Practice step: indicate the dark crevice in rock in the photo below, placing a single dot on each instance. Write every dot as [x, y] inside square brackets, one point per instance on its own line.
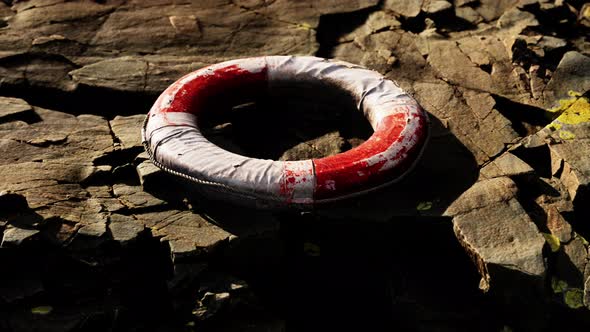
[486, 67]
[525, 56]
[332, 26]
[581, 213]
[119, 157]
[126, 174]
[132, 279]
[525, 119]
[557, 21]
[413, 24]
[84, 100]
[116, 139]
[528, 189]
[28, 117]
[447, 22]
[22, 59]
[538, 158]
[148, 209]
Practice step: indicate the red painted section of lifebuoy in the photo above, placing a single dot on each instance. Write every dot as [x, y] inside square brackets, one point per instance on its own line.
[350, 171]
[194, 95]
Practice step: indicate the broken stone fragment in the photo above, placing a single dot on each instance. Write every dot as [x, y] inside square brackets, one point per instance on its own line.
[570, 262]
[220, 292]
[151, 177]
[56, 135]
[186, 24]
[515, 21]
[493, 9]
[549, 43]
[189, 235]
[125, 229]
[134, 197]
[14, 236]
[558, 226]
[506, 165]
[436, 6]
[575, 173]
[554, 202]
[498, 234]
[125, 74]
[127, 129]
[471, 116]
[584, 15]
[404, 8]
[210, 304]
[327, 145]
[461, 3]
[572, 74]
[14, 109]
[96, 230]
[468, 14]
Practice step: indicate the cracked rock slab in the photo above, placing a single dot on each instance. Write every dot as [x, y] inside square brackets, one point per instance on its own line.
[134, 197]
[575, 173]
[470, 115]
[124, 74]
[11, 108]
[506, 165]
[571, 262]
[572, 74]
[144, 46]
[497, 233]
[189, 235]
[127, 129]
[57, 136]
[124, 229]
[327, 145]
[14, 236]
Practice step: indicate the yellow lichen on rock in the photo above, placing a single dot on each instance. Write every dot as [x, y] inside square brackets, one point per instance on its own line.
[553, 241]
[558, 286]
[574, 298]
[566, 135]
[573, 111]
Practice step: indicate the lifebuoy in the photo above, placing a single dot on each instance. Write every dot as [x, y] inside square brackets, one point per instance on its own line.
[174, 142]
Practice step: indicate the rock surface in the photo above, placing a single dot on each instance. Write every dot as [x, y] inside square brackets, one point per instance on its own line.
[499, 197]
[495, 230]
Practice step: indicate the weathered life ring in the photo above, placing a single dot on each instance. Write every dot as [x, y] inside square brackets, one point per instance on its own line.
[174, 142]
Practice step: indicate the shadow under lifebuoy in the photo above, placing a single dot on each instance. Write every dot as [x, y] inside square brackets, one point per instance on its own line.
[385, 260]
[268, 126]
[382, 261]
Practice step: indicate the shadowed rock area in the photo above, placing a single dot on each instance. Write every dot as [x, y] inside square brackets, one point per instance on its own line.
[487, 233]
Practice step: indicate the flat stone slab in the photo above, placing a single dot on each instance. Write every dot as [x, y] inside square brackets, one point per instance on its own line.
[496, 231]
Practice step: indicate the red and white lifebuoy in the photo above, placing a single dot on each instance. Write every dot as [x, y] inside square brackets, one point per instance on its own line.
[175, 143]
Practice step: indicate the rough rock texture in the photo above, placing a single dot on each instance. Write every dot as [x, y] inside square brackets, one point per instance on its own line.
[98, 238]
[506, 165]
[572, 74]
[96, 43]
[496, 231]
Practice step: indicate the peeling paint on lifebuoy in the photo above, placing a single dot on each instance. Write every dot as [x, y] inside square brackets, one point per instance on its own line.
[175, 143]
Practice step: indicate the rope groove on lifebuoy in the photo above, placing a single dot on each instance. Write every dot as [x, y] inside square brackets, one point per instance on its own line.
[174, 142]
